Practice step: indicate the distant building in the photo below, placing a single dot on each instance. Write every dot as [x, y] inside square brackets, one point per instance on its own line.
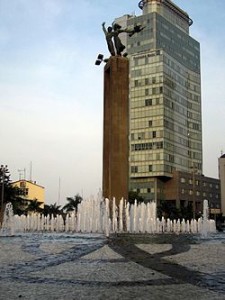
[31, 191]
[190, 189]
[222, 182]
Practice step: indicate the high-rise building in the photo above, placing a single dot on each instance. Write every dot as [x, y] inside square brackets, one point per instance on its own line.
[165, 97]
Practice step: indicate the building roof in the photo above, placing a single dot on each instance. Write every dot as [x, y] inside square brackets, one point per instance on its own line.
[28, 181]
[222, 156]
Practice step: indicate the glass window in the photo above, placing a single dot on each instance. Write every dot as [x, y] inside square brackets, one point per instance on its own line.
[148, 102]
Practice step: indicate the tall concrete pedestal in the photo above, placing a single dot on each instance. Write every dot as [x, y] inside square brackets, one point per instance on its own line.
[116, 124]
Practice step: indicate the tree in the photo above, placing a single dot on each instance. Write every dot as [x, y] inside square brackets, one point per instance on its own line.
[132, 196]
[34, 206]
[52, 209]
[10, 193]
[14, 195]
[73, 202]
[167, 209]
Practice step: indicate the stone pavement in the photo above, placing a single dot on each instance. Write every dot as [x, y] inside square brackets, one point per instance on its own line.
[60, 266]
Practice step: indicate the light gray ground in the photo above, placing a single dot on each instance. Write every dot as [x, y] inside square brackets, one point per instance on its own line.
[92, 267]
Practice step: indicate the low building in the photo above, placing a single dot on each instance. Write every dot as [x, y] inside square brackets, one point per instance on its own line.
[31, 191]
[191, 189]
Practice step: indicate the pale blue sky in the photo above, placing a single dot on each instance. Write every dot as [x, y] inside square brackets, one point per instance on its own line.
[51, 93]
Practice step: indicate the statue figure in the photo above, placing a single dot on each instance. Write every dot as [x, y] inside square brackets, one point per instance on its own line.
[108, 35]
[117, 47]
[117, 42]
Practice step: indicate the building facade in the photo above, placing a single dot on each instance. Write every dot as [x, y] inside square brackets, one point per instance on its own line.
[31, 191]
[165, 98]
[187, 189]
[222, 182]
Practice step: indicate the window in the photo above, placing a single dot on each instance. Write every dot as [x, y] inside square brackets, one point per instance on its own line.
[148, 102]
[134, 169]
[154, 134]
[150, 123]
[150, 168]
[22, 184]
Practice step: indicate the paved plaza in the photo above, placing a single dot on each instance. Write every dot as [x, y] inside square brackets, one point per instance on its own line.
[60, 266]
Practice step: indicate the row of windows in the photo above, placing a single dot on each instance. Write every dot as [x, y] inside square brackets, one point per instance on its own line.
[144, 157]
[146, 135]
[149, 168]
[199, 193]
[146, 146]
[148, 70]
[198, 182]
[141, 92]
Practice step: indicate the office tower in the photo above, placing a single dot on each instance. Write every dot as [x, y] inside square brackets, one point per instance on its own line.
[165, 97]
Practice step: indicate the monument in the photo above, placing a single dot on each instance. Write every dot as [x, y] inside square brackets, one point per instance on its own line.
[116, 128]
[116, 114]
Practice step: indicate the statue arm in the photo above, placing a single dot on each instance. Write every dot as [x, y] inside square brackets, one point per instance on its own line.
[103, 28]
[125, 30]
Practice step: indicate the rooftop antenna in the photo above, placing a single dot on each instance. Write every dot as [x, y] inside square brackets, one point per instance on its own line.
[59, 190]
[31, 171]
[22, 172]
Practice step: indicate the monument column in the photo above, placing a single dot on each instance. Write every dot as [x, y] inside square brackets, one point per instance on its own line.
[116, 128]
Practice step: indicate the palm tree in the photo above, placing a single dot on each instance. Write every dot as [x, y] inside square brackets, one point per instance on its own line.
[72, 203]
[34, 206]
[52, 209]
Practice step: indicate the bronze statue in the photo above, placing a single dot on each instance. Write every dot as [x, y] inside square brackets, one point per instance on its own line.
[114, 43]
[117, 42]
[108, 35]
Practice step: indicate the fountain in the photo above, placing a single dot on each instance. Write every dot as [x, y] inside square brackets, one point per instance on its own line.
[7, 228]
[101, 216]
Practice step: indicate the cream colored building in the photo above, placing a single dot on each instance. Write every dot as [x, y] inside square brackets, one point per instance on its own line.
[31, 191]
[222, 181]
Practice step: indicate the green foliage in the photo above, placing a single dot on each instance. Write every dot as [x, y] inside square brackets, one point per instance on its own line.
[52, 209]
[34, 206]
[73, 203]
[132, 196]
[167, 209]
[10, 193]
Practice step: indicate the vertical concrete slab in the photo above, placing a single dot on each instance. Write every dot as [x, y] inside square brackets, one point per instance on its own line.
[116, 128]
